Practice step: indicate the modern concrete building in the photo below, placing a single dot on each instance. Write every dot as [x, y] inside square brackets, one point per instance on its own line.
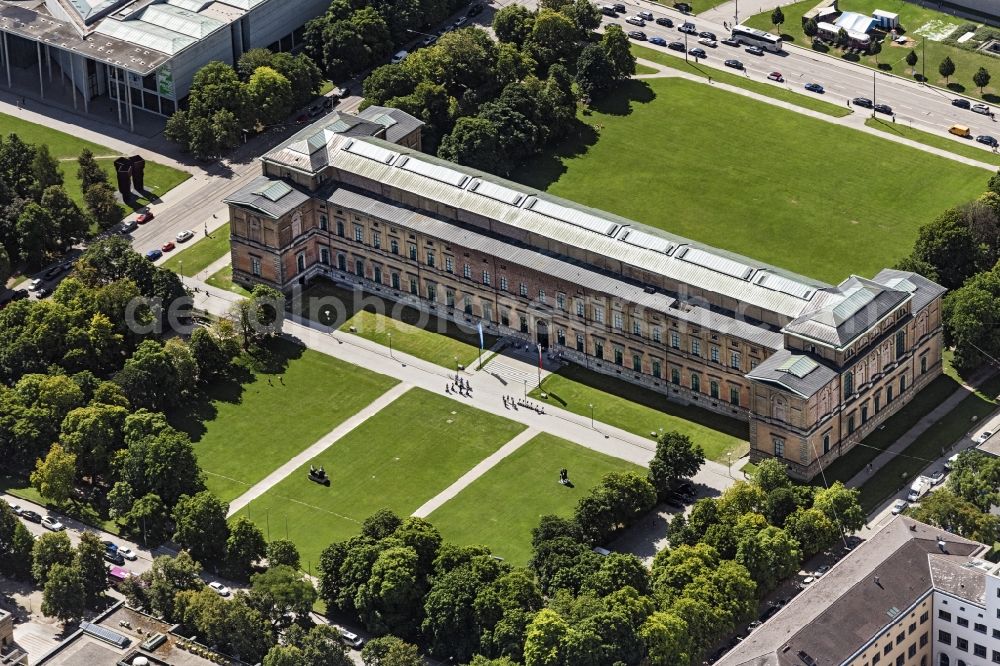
[912, 595]
[139, 54]
[814, 367]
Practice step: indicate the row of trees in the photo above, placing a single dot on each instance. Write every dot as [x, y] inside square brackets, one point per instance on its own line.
[963, 505]
[224, 102]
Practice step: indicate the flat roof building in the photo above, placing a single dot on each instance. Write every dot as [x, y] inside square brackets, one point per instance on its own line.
[140, 54]
[813, 367]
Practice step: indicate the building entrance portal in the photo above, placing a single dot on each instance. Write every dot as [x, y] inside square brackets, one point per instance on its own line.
[542, 333]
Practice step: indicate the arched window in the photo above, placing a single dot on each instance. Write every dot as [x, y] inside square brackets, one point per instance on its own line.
[945, 660]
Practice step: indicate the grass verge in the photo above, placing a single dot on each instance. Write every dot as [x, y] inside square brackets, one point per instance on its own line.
[201, 254]
[930, 139]
[223, 279]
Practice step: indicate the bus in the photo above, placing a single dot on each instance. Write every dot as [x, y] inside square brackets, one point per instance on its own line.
[755, 37]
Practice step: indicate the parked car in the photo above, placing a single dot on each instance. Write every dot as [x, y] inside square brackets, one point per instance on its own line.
[707, 35]
[635, 20]
[883, 108]
[619, 7]
[43, 292]
[35, 284]
[459, 22]
[168, 246]
[729, 41]
[144, 217]
[936, 477]
[340, 92]
[399, 57]
[987, 140]
[638, 35]
[705, 41]
[127, 553]
[961, 103]
[698, 53]
[735, 64]
[950, 462]
[676, 46]
[154, 254]
[31, 516]
[184, 236]
[475, 10]
[983, 436]
[50, 523]
[351, 639]
[127, 226]
[981, 108]
[664, 21]
[820, 571]
[16, 508]
[863, 102]
[220, 589]
[753, 625]
[315, 110]
[114, 557]
[659, 41]
[814, 87]
[899, 506]
[52, 272]
[755, 50]
[429, 39]
[688, 27]
[776, 76]
[646, 16]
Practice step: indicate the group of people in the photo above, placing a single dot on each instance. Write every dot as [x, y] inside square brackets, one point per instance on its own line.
[510, 402]
[460, 386]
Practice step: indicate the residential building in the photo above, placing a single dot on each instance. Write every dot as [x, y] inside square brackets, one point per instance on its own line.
[814, 367]
[137, 54]
[11, 653]
[912, 595]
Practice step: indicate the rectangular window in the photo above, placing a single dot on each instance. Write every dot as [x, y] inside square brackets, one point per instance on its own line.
[962, 644]
[714, 354]
[876, 658]
[636, 328]
[996, 657]
[524, 324]
[431, 258]
[431, 292]
[395, 280]
[322, 222]
[599, 314]
[561, 337]
[695, 347]
[255, 265]
[675, 376]
[486, 278]
[850, 424]
[944, 615]
[541, 296]
[579, 342]
[359, 267]
[522, 289]
[961, 621]
[734, 395]
[695, 382]
[324, 256]
[637, 362]
[779, 448]
[888, 394]
[413, 286]
[359, 233]
[488, 311]
[656, 368]
[924, 617]
[979, 650]
[468, 305]
[394, 246]
[377, 240]
[467, 271]
[848, 385]
[900, 660]
[675, 340]
[505, 317]
[900, 343]
[617, 318]
[981, 628]
[449, 264]
[580, 308]
[503, 283]
[561, 301]
[900, 638]
[449, 298]
[734, 360]
[340, 228]
[413, 251]
[657, 336]
[713, 389]
[923, 639]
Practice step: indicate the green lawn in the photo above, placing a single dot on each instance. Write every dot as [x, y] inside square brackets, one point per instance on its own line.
[223, 279]
[680, 150]
[644, 69]
[641, 411]
[962, 147]
[242, 432]
[774, 90]
[159, 179]
[201, 254]
[500, 508]
[80, 510]
[387, 461]
[697, 6]
[412, 331]
[925, 26]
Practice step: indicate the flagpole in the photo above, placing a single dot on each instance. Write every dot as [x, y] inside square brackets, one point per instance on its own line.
[539, 366]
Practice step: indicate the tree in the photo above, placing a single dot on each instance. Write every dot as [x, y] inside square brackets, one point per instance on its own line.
[618, 571]
[245, 546]
[103, 205]
[64, 595]
[994, 183]
[89, 562]
[261, 315]
[812, 529]
[777, 17]
[665, 636]
[981, 78]
[320, 646]
[585, 16]
[284, 655]
[513, 24]
[615, 503]
[149, 377]
[282, 552]
[282, 594]
[35, 228]
[552, 39]
[89, 172]
[842, 505]
[381, 524]
[946, 68]
[544, 640]
[45, 168]
[618, 51]
[677, 458]
[770, 475]
[843, 39]
[949, 511]
[251, 60]
[390, 651]
[200, 526]
[157, 459]
[449, 615]
[71, 223]
[93, 434]
[770, 556]
[147, 519]
[269, 94]
[5, 266]
[49, 550]
[947, 244]
[16, 544]
[810, 28]
[167, 577]
[911, 60]
[473, 142]
[390, 600]
[53, 477]
[210, 354]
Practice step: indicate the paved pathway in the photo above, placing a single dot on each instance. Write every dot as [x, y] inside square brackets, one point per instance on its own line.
[486, 465]
[319, 447]
[213, 267]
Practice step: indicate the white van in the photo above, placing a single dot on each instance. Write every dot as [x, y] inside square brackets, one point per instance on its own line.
[399, 57]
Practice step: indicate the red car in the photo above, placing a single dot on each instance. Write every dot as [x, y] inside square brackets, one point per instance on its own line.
[143, 218]
[168, 246]
[776, 76]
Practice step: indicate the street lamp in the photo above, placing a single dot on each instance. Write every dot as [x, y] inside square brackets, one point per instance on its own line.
[389, 335]
[591, 416]
[729, 465]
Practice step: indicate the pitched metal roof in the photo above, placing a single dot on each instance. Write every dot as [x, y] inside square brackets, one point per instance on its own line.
[797, 373]
[397, 123]
[272, 198]
[923, 290]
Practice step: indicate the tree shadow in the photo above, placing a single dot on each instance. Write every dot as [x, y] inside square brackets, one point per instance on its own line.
[885, 67]
[991, 98]
[820, 47]
[619, 102]
[851, 57]
[956, 87]
[785, 37]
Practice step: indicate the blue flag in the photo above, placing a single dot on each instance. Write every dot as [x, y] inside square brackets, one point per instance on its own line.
[480, 327]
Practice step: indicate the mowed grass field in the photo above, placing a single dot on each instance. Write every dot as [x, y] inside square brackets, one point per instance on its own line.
[500, 508]
[198, 255]
[158, 178]
[248, 430]
[400, 458]
[641, 412]
[963, 147]
[812, 197]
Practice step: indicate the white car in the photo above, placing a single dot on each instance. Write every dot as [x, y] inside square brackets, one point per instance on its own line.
[35, 284]
[127, 553]
[221, 589]
[16, 508]
[708, 42]
[351, 639]
[983, 436]
[184, 236]
[399, 57]
[50, 523]
[899, 506]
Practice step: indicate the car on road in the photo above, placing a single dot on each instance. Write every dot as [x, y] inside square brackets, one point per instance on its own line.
[619, 7]
[635, 20]
[475, 10]
[665, 22]
[735, 64]
[676, 46]
[35, 284]
[883, 108]
[460, 21]
[144, 217]
[776, 76]
[698, 53]
[936, 477]
[31, 516]
[340, 92]
[707, 35]
[50, 523]
[184, 236]
[646, 16]
[428, 40]
[961, 103]
[753, 625]
[127, 553]
[987, 140]
[950, 462]
[814, 87]
[168, 246]
[983, 436]
[114, 557]
[688, 28]
[154, 254]
[755, 50]
[315, 110]
[399, 57]
[43, 292]
[899, 506]
[659, 41]
[729, 41]
[127, 226]
[638, 35]
[981, 108]
[863, 102]
[16, 508]
[705, 41]
[54, 271]
[351, 639]
[822, 570]
[220, 589]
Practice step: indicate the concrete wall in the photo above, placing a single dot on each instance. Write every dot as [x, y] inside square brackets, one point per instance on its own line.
[217, 46]
[274, 19]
